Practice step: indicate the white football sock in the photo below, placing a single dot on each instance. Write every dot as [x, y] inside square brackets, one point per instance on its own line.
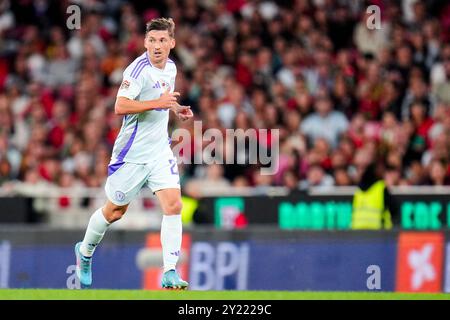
[94, 233]
[171, 233]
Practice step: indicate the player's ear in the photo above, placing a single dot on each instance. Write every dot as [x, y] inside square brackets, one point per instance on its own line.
[172, 43]
[145, 41]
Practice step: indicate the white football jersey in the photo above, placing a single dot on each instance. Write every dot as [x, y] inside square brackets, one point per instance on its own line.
[144, 136]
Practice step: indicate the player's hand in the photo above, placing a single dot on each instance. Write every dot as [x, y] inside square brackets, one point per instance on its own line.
[168, 99]
[185, 115]
[182, 112]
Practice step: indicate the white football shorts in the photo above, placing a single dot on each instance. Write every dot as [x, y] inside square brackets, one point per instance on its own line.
[125, 180]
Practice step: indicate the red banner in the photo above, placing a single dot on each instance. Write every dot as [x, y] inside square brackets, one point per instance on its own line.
[419, 262]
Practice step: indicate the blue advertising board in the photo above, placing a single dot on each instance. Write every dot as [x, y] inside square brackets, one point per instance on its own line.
[335, 266]
[218, 260]
[52, 266]
[294, 265]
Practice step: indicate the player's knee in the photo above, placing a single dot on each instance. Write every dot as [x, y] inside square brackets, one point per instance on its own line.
[174, 207]
[115, 214]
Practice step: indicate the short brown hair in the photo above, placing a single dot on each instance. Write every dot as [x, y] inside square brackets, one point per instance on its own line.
[161, 24]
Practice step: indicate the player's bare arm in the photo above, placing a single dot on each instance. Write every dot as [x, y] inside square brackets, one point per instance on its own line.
[168, 100]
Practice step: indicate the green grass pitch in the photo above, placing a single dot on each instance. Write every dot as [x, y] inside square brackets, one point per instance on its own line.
[49, 294]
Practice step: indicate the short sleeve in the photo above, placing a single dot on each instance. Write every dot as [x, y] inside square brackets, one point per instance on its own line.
[130, 87]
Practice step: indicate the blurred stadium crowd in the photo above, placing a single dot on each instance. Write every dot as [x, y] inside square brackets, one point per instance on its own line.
[341, 95]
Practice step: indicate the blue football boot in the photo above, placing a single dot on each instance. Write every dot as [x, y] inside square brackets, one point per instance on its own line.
[83, 268]
[171, 280]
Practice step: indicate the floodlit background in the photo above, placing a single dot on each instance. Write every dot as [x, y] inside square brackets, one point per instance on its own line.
[346, 88]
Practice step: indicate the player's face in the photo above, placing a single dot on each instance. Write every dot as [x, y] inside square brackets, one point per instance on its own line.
[158, 44]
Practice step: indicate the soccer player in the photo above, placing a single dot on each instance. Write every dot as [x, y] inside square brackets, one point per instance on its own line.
[142, 156]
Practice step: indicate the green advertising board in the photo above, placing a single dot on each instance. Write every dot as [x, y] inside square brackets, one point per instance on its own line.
[315, 215]
[414, 215]
[330, 212]
[422, 215]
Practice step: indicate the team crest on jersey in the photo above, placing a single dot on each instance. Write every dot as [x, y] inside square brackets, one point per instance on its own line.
[125, 84]
[165, 85]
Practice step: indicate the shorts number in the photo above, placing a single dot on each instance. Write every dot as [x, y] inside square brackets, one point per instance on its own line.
[173, 166]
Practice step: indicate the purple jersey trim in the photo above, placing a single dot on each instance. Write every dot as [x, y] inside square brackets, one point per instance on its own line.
[115, 166]
[125, 150]
[138, 64]
[138, 71]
